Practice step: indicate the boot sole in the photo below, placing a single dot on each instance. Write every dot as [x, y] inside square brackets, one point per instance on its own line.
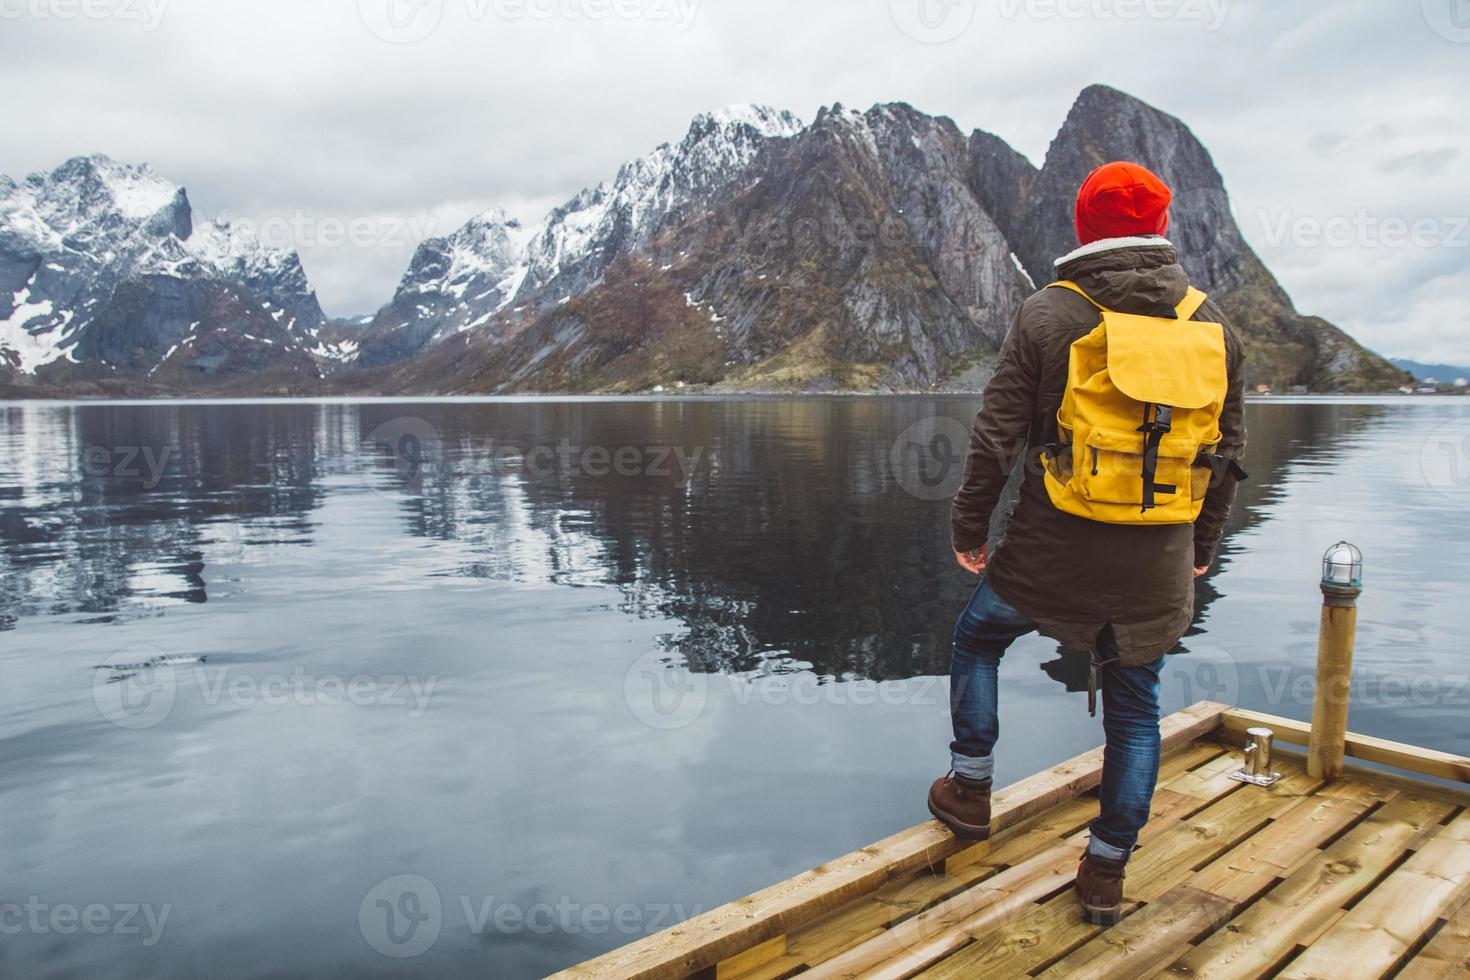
[962, 830]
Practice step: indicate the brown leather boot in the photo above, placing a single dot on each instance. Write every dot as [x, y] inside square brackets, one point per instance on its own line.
[1100, 890]
[961, 805]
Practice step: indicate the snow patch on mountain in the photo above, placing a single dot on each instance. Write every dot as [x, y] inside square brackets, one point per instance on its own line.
[493, 265]
[27, 351]
[69, 239]
[582, 237]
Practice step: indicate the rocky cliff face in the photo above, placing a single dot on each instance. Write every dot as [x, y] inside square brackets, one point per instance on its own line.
[468, 280]
[1034, 208]
[453, 284]
[850, 255]
[876, 250]
[102, 266]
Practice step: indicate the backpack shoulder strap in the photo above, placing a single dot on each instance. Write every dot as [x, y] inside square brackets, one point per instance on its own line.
[1069, 284]
[1189, 306]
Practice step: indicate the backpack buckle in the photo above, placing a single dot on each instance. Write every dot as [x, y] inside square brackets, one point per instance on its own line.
[1157, 420]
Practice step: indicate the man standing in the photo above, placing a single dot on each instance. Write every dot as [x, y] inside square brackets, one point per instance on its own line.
[1122, 589]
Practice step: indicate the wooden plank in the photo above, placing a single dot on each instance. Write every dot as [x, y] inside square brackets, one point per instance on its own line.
[1248, 870]
[1054, 928]
[721, 933]
[1192, 756]
[1410, 784]
[782, 966]
[1145, 943]
[1206, 782]
[928, 937]
[748, 960]
[868, 916]
[1428, 762]
[1162, 870]
[1166, 859]
[917, 943]
[1055, 925]
[1380, 930]
[1448, 954]
[1310, 899]
[1039, 935]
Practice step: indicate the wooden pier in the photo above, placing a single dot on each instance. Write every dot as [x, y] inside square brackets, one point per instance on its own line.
[1365, 875]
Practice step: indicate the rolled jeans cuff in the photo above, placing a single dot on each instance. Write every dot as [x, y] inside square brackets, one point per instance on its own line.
[1101, 848]
[978, 769]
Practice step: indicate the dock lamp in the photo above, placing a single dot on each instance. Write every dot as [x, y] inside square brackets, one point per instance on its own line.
[1342, 572]
[1342, 583]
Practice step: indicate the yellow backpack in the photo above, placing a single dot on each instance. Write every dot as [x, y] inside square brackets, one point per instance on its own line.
[1140, 420]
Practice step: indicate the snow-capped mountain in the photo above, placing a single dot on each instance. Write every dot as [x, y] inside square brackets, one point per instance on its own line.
[850, 254]
[584, 236]
[491, 264]
[877, 250]
[101, 263]
[870, 250]
[453, 283]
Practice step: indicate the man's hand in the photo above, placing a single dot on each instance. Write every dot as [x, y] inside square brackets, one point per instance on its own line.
[1200, 570]
[972, 561]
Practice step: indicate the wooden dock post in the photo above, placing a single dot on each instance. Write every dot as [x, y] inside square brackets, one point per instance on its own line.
[1342, 583]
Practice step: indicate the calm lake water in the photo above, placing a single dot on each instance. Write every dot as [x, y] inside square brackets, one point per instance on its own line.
[483, 689]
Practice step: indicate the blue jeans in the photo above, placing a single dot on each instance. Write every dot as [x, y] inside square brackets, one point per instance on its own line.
[1130, 700]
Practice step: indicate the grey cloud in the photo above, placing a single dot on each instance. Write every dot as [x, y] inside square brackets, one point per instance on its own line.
[263, 107]
[1329, 144]
[1336, 144]
[1425, 163]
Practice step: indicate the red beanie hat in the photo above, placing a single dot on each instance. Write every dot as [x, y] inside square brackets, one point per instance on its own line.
[1120, 199]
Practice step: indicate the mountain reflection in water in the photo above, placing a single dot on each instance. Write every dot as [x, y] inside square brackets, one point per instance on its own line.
[776, 532]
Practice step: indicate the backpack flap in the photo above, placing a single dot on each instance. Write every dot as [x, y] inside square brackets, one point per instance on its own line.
[1180, 363]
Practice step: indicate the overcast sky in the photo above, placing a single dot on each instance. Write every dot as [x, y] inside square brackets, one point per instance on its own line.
[1341, 128]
